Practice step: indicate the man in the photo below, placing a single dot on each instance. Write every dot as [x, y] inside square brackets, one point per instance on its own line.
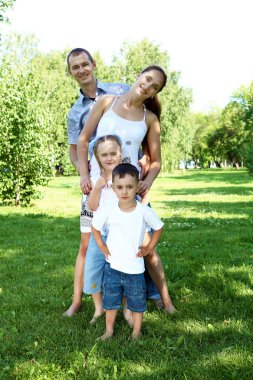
[81, 67]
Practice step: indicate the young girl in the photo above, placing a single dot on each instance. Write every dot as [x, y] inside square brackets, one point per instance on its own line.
[107, 150]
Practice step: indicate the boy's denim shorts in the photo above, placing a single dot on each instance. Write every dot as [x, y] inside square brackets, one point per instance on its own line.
[94, 271]
[132, 286]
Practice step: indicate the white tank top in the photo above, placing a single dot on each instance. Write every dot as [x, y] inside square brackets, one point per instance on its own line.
[131, 133]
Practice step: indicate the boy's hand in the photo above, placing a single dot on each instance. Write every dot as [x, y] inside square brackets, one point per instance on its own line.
[144, 251]
[105, 250]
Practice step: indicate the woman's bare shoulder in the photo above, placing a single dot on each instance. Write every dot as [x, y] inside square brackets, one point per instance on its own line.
[151, 118]
[106, 99]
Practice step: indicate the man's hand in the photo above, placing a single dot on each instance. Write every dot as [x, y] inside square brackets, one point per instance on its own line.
[85, 184]
[144, 163]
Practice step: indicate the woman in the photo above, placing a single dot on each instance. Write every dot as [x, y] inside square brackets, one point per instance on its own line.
[131, 116]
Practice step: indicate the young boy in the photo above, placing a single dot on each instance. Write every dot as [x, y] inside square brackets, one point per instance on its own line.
[124, 271]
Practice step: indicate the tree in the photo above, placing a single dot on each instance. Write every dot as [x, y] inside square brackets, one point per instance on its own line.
[244, 96]
[25, 156]
[4, 5]
[58, 92]
[176, 131]
[204, 125]
[234, 138]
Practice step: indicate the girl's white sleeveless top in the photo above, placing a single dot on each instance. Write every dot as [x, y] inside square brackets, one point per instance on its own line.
[131, 133]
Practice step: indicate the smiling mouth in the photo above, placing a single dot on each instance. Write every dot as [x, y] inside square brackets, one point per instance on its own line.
[143, 91]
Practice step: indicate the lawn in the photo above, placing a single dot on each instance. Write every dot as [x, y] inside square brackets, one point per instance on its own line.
[207, 251]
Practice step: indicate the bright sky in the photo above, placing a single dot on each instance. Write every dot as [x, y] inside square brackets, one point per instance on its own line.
[208, 41]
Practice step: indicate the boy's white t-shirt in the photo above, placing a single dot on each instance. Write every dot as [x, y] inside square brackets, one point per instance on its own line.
[126, 233]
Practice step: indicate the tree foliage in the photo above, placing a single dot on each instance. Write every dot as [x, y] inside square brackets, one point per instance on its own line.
[204, 125]
[32, 113]
[4, 6]
[176, 131]
[233, 140]
[37, 94]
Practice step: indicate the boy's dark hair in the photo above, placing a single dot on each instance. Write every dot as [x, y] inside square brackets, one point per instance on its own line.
[78, 51]
[123, 169]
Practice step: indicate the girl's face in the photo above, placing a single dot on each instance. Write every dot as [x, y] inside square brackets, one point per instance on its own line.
[109, 155]
[149, 83]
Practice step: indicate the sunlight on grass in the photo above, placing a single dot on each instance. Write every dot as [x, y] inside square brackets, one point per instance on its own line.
[206, 249]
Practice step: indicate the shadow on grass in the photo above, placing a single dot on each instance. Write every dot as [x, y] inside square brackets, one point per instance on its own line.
[209, 278]
[210, 190]
[228, 176]
[204, 207]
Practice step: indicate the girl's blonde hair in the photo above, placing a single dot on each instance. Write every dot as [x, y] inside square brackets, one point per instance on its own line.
[102, 139]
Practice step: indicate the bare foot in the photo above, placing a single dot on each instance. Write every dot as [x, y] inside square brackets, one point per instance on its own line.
[107, 335]
[72, 310]
[128, 316]
[158, 303]
[170, 309]
[136, 335]
[95, 317]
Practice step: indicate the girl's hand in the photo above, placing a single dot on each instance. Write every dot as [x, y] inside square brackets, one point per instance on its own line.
[102, 181]
[85, 184]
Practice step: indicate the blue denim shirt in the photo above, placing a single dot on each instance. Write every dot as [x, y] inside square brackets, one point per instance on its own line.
[80, 111]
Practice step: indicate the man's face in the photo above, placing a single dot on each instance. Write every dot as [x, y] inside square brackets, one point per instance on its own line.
[82, 69]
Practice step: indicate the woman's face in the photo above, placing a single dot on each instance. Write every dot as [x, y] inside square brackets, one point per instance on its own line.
[149, 83]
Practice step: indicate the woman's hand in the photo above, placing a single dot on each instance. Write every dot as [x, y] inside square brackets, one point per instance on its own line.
[143, 187]
[144, 164]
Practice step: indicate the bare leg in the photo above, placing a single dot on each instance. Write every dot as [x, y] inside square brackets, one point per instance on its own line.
[155, 268]
[110, 321]
[79, 276]
[137, 323]
[127, 313]
[97, 299]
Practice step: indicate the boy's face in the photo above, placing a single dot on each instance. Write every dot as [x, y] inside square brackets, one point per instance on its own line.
[125, 188]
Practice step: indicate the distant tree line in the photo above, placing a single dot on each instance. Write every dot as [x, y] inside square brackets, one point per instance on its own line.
[37, 93]
[226, 136]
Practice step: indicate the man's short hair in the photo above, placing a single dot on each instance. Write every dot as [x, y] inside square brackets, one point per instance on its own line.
[78, 51]
[123, 169]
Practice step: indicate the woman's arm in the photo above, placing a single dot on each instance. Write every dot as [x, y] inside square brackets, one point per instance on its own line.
[84, 139]
[154, 144]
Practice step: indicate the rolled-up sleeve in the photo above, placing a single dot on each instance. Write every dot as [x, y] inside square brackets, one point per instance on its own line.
[73, 131]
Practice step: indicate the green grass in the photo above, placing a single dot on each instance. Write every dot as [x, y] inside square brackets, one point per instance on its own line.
[207, 250]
